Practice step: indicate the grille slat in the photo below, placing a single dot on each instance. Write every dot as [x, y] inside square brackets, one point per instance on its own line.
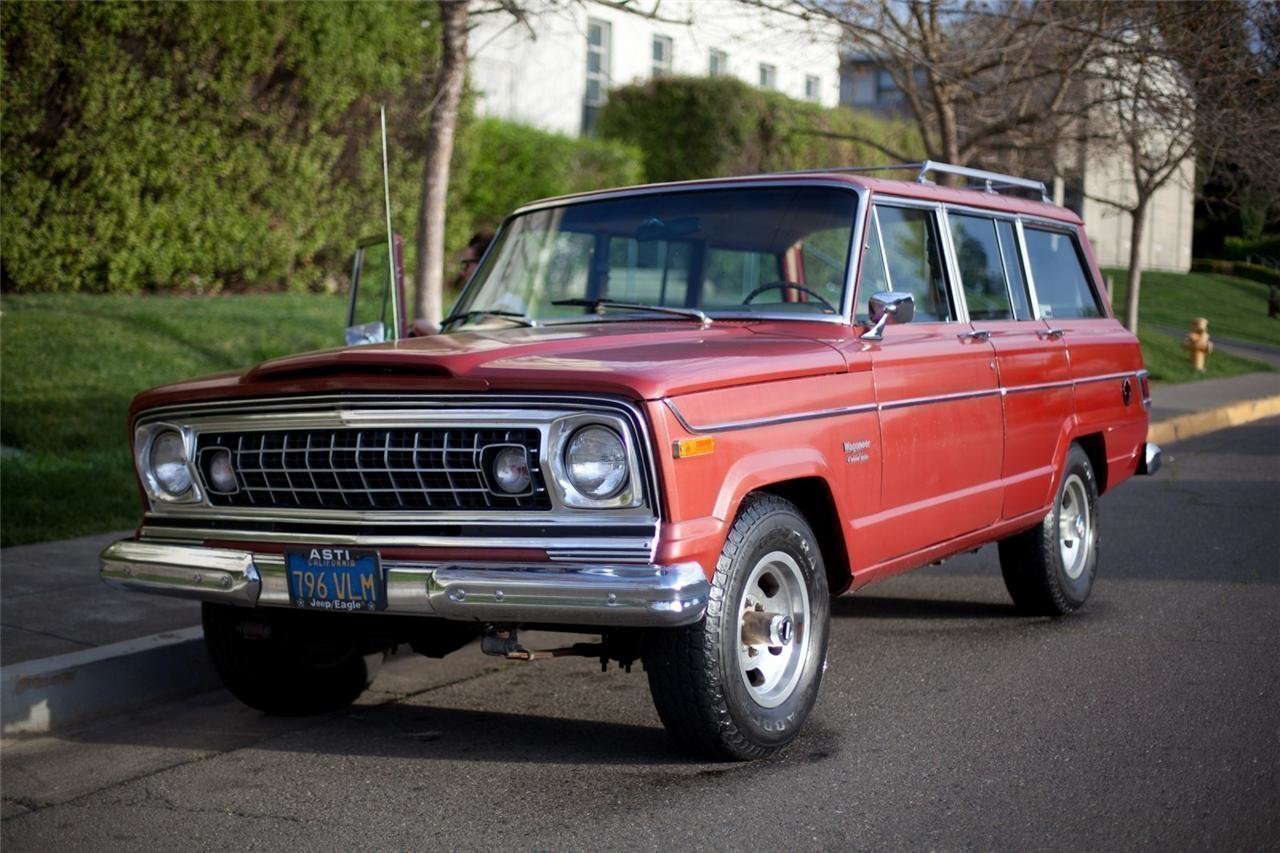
[385, 469]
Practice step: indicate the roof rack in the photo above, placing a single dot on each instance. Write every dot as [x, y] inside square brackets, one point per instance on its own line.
[979, 179]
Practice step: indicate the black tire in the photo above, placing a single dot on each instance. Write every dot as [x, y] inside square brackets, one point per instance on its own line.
[1040, 579]
[703, 691]
[288, 663]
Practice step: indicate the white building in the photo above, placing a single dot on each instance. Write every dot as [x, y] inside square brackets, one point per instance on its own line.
[555, 71]
[1170, 215]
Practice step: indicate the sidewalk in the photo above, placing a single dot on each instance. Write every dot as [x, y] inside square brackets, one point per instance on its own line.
[71, 648]
[52, 602]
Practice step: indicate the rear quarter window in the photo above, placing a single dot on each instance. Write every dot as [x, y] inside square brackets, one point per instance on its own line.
[1061, 279]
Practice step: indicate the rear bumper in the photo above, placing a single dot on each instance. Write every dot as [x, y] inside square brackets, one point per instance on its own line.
[1150, 459]
[545, 593]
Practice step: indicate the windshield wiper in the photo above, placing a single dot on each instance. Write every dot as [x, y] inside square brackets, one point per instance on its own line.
[599, 306]
[514, 316]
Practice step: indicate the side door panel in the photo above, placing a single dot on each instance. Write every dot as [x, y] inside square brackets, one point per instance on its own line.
[937, 395]
[1035, 379]
[940, 426]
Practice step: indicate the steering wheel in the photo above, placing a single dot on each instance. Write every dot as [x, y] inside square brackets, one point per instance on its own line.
[783, 285]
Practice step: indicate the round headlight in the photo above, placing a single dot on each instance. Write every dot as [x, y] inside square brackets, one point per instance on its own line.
[169, 463]
[596, 462]
[511, 470]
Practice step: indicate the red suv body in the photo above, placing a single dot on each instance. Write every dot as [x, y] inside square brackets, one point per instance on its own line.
[679, 416]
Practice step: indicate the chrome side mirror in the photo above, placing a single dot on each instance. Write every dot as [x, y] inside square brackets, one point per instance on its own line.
[376, 311]
[886, 305]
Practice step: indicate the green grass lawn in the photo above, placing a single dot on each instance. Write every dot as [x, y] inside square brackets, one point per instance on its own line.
[1236, 308]
[69, 365]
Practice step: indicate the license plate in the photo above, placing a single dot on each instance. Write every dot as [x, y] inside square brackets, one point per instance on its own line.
[338, 579]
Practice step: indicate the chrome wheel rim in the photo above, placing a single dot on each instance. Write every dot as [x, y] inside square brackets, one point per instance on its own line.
[773, 629]
[1075, 527]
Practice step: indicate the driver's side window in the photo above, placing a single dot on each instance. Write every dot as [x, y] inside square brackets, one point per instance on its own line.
[904, 254]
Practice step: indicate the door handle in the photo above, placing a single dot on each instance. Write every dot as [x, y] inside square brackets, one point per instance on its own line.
[975, 335]
[1051, 334]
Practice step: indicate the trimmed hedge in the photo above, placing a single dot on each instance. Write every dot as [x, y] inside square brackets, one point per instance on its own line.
[1240, 269]
[702, 127]
[1240, 248]
[192, 146]
[500, 165]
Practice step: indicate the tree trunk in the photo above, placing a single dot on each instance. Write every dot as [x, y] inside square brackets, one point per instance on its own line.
[429, 274]
[1135, 263]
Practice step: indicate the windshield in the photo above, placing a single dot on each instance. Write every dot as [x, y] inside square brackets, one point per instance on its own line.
[768, 250]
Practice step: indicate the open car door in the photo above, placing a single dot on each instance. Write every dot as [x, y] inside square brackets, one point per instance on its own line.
[376, 312]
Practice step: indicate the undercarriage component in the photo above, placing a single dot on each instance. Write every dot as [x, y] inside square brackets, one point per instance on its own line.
[621, 646]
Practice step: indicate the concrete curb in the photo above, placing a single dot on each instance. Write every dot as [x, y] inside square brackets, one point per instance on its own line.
[50, 694]
[1200, 423]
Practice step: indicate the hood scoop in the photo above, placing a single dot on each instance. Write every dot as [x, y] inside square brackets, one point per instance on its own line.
[364, 361]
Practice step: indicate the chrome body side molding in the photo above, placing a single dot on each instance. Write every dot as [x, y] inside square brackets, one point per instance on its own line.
[889, 405]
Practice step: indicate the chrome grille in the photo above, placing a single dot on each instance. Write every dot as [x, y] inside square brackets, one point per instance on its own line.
[441, 468]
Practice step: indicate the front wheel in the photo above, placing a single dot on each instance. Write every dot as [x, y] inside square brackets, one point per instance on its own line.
[1049, 569]
[289, 663]
[740, 683]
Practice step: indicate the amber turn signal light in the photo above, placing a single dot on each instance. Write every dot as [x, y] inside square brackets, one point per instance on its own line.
[686, 447]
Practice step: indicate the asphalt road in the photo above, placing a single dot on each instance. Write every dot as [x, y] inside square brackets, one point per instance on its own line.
[1149, 720]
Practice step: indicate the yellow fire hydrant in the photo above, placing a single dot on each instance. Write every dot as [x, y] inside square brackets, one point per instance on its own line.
[1197, 342]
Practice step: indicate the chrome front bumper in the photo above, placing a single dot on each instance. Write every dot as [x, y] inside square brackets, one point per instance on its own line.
[545, 593]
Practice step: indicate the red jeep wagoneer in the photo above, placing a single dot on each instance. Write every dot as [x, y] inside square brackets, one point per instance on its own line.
[679, 417]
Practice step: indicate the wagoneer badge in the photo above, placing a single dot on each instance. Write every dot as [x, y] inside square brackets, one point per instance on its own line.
[856, 451]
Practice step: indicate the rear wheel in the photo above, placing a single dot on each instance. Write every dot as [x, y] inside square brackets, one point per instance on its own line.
[1049, 570]
[288, 663]
[740, 683]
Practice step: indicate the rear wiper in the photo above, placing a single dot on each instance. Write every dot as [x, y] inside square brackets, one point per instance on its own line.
[514, 316]
[599, 306]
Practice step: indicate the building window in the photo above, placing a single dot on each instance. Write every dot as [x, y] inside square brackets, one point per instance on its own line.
[661, 55]
[887, 91]
[598, 39]
[811, 88]
[768, 76]
[719, 64]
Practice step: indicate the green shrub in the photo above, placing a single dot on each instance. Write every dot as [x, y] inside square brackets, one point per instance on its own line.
[702, 127]
[502, 165]
[194, 146]
[1240, 269]
[1240, 248]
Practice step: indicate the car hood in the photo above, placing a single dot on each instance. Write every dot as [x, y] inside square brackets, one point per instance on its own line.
[643, 360]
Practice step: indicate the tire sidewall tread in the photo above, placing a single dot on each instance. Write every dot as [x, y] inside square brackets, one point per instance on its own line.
[693, 670]
[1031, 561]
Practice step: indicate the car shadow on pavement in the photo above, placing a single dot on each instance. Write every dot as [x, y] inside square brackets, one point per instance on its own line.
[408, 728]
[885, 607]
[450, 734]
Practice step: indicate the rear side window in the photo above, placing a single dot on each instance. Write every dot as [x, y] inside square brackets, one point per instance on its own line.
[1057, 267]
[981, 267]
[1013, 269]
[904, 241]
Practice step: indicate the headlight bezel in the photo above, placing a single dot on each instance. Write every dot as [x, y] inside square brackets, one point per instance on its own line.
[562, 431]
[489, 456]
[145, 437]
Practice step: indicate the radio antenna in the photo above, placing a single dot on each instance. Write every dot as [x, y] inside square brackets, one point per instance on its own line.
[391, 243]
